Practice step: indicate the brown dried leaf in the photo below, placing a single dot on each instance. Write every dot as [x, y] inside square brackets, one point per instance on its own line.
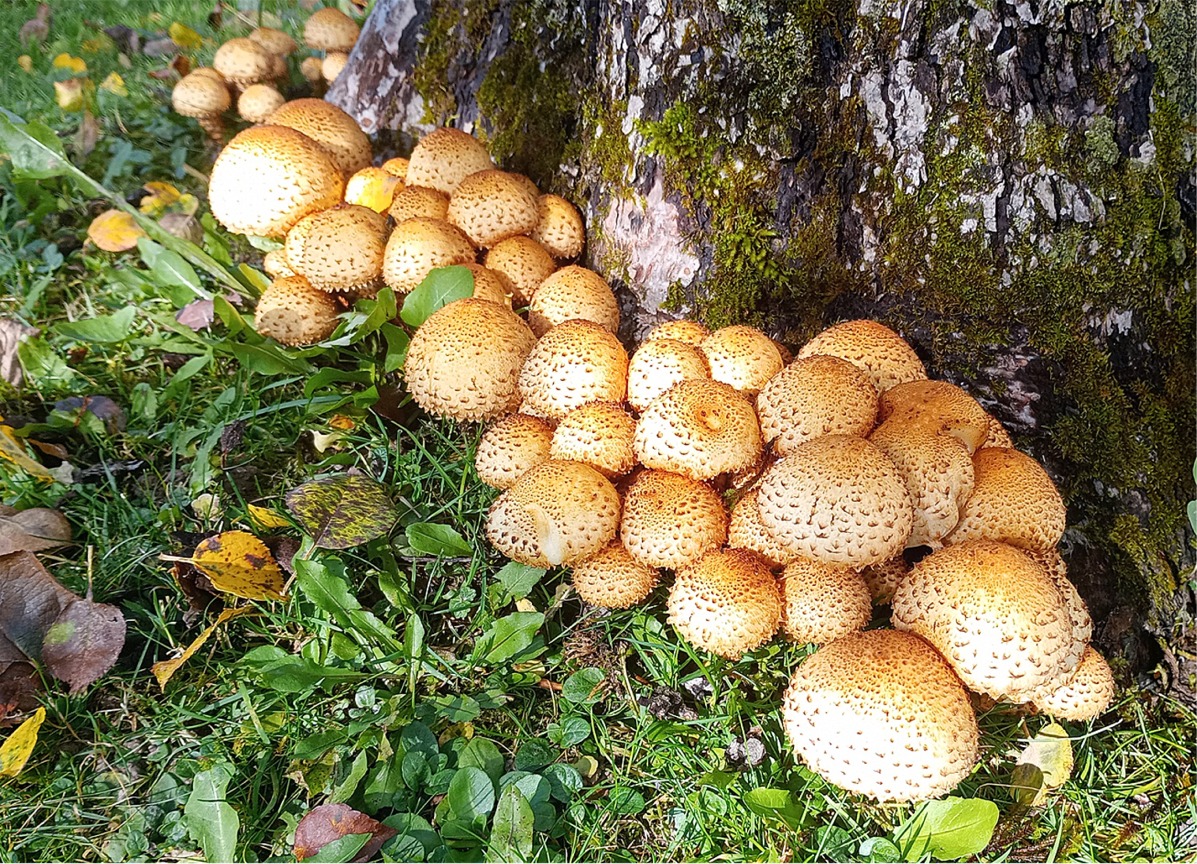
[12, 334]
[19, 688]
[197, 315]
[33, 530]
[87, 136]
[328, 822]
[30, 601]
[84, 642]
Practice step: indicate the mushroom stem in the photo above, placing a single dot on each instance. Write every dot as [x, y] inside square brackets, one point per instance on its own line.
[213, 125]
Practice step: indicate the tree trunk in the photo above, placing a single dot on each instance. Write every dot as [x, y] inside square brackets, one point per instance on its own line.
[1008, 184]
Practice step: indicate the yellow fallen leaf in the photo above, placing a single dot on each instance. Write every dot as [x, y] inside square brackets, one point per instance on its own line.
[69, 94]
[25, 62]
[12, 450]
[341, 422]
[1051, 752]
[74, 64]
[184, 37]
[238, 563]
[115, 85]
[264, 517]
[164, 669]
[114, 231]
[187, 203]
[15, 751]
[162, 195]
[96, 45]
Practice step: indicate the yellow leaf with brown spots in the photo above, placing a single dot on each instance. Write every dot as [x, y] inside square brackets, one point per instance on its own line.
[238, 563]
[264, 517]
[164, 669]
[114, 231]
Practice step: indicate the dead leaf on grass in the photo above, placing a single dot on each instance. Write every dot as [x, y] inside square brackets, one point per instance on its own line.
[18, 747]
[343, 510]
[164, 669]
[12, 451]
[1051, 753]
[114, 231]
[33, 530]
[328, 822]
[239, 563]
[12, 334]
[197, 315]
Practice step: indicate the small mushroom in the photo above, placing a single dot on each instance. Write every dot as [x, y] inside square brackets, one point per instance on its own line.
[939, 407]
[292, 312]
[880, 713]
[312, 70]
[670, 520]
[414, 202]
[333, 64]
[880, 352]
[273, 40]
[204, 97]
[822, 602]
[330, 29]
[490, 206]
[276, 265]
[658, 365]
[743, 357]
[397, 165]
[747, 531]
[573, 292]
[599, 434]
[557, 513]
[257, 102]
[726, 602]
[1085, 695]
[372, 187]
[559, 227]
[817, 395]
[243, 62]
[464, 361]
[510, 448]
[883, 579]
[613, 579]
[683, 330]
[331, 128]
[574, 363]
[491, 285]
[524, 261]
[417, 247]
[699, 428]
[445, 157]
[1013, 500]
[339, 250]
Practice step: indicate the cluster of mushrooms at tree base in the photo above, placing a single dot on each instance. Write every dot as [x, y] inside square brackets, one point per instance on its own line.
[852, 478]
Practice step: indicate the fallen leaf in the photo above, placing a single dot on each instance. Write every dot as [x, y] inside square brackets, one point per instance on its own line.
[127, 38]
[206, 506]
[159, 196]
[12, 450]
[71, 64]
[284, 550]
[33, 530]
[197, 315]
[164, 669]
[114, 231]
[12, 334]
[30, 601]
[26, 63]
[264, 517]
[17, 748]
[341, 422]
[114, 84]
[37, 28]
[19, 688]
[69, 94]
[50, 448]
[101, 407]
[159, 47]
[88, 135]
[343, 510]
[84, 642]
[329, 822]
[181, 65]
[239, 563]
[185, 37]
[184, 226]
[1051, 752]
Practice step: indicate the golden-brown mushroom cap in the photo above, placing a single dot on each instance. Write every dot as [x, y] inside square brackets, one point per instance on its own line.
[879, 713]
[940, 407]
[670, 520]
[883, 579]
[339, 249]
[822, 602]
[613, 579]
[276, 265]
[1013, 500]
[333, 64]
[658, 364]
[268, 178]
[444, 157]
[242, 62]
[747, 531]
[397, 165]
[331, 128]
[683, 330]
[557, 513]
[490, 285]
[330, 29]
[998, 436]
[273, 40]
[312, 70]
[208, 72]
[490, 206]
[573, 292]
[559, 227]
[726, 602]
[414, 202]
[510, 448]
[699, 428]
[938, 473]
[257, 102]
[524, 261]
[993, 613]
[743, 357]
[817, 395]
[1078, 613]
[464, 361]
[199, 95]
[417, 247]
[837, 499]
[574, 363]
[599, 434]
[372, 187]
[883, 355]
[292, 312]
[1086, 694]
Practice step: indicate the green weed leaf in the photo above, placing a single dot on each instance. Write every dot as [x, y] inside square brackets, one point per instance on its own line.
[343, 510]
[325, 584]
[101, 328]
[471, 794]
[440, 288]
[428, 538]
[511, 835]
[773, 803]
[510, 635]
[34, 149]
[584, 687]
[482, 753]
[210, 821]
[169, 269]
[517, 581]
[949, 829]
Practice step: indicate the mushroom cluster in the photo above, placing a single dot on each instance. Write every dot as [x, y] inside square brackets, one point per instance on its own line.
[248, 72]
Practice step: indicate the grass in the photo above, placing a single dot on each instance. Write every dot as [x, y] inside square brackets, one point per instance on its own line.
[114, 767]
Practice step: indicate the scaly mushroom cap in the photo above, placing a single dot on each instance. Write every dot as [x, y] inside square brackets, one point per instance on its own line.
[670, 520]
[822, 602]
[998, 436]
[292, 312]
[698, 428]
[557, 513]
[209, 72]
[815, 396]
[276, 265]
[492, 205]
[490, 285]
[397, 165]
[417, 247]
[883, 579]
[464, 361]
[257, 102]
[415, 202]
[444, 157]
[559, 227]
[743, 357]
[883, 355]
[938, 473]
[333, 64]
[511, 448]
[524, 261]
[330, 29]
[613, 579]
[275, 41]
[658, 364]
[1013, 500]
[574, 363]
[573, 292]
[268, 178]
[599, 434]
[994, 614]
[312, 70]
[339, 249]
[683, 330]
[372, 187]
[726, 602]
[939, 407]
[1087, 693]
[1078, 613]
[880, 713]
[837, 499]
[331, 128]
[242, 62]
[199, 95]
[747, 531]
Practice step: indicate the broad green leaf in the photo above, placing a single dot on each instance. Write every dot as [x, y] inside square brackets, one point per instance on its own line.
[343, 510]
[471, 794]
[42, 365]
[570, 731]
[348, 787]
[517, 581]
[510, 635]
[535, 754]
[210, 821]
[101, 328]
[325, 584]
[482, 753]
[511, 834]
[169, 269]
[255, 279]
[774, 803]
[881, 850]
[341, 850]
[417, 738]
[34, 149]
[267, 359]
[626, 801]
[949, 829]
[440, 288]
[431, 539]
[457, 709]
[564, 781]
[584, 687]
[397, 343]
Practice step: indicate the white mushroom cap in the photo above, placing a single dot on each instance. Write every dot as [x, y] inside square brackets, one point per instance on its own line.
[822, 602]
[879, 713]
[658, 364]
[815, 396]
[726, 602]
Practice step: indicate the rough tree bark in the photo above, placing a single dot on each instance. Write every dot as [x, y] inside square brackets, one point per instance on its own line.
[1009, 184]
